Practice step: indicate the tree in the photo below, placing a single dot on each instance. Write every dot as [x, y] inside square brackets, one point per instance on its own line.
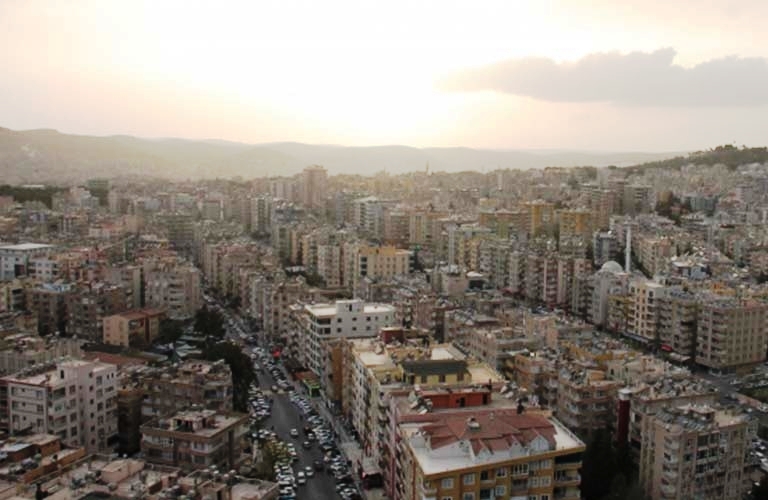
[210, 323]
[240, 365]
[170, 331]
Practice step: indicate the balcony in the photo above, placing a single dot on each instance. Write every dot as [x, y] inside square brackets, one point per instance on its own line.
[568, 480]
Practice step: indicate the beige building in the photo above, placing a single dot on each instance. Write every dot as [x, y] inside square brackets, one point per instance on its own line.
[75, 400]
[643, 313]
[136, 328]
[312, 186]
[329, 259]
[486, 454]
[698, 452]
[575, 224]
[542, 215]
[374, 263]
[731, 333]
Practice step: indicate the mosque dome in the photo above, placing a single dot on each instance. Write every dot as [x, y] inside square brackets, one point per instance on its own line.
[612, 266]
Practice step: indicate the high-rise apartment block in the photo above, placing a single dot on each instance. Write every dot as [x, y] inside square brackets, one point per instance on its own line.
[75, 400]
[312, 186]
[698, 452]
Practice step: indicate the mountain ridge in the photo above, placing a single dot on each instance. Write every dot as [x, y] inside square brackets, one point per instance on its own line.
[54, 156]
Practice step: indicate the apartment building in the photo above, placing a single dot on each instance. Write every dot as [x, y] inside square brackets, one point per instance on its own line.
[312, 186]
[88, 305]
[643, 399]
[75, 400]
[374, 263]
[317, 323]
[542, 217]
[609, 280]
[175, 388]
[677, 321]
[49, 302]
[25, 351]
[731, 333]
[181, 232]
[486, 454]
[396, 228]
[15, 259]
[535, 372]
[585, 399]
[574, 224]
[196, 439]
[329, 264]
[373, 370]
[260, 215]
[137, 328]
[653, 253]
[643, 314]
[698, 452]
[177, 290]
[129, 277]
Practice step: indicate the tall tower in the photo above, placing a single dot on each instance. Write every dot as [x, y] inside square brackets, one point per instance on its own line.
[313, 181]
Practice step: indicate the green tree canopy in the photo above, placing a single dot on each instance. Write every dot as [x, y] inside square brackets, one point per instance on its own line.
[209, 322]
[243, 374]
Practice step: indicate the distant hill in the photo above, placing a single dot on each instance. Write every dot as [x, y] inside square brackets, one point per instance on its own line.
[728, 155]
[51, 156]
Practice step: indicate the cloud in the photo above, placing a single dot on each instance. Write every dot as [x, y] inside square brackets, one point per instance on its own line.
[635, 79]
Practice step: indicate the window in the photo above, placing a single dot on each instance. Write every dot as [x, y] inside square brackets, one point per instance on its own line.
[446, 483]
[533, 482]
[446, 498]
[468, 479]
[533, 497]
[441, 378]
[544, 497]
[468, 496]
[460, 376]
[484, 475]
[501, 472]
[423, 379]
[519, 469]
[501, 491]
[545, 481]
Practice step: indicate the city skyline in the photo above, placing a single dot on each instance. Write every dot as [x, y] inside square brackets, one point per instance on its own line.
[642, 76]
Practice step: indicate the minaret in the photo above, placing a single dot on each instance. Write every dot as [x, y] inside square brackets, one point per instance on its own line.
[628, 251]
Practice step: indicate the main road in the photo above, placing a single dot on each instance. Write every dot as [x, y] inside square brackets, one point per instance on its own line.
[286, 416]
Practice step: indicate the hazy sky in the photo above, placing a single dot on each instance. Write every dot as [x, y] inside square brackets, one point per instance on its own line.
[655, 75]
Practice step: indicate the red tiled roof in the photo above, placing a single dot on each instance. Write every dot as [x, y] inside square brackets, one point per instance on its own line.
[494, 430]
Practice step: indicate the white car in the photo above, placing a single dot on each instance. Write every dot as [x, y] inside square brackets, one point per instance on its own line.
[301, 478]
[309, 471]
[294, 433]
